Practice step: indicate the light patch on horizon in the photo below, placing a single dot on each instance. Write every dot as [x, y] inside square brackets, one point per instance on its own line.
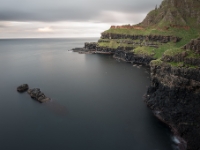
[54, 29]
[45, 29]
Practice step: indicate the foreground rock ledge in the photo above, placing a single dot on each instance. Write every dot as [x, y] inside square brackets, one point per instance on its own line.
[38, 95]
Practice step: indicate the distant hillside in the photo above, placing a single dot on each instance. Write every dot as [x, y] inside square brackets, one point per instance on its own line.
[174, 13]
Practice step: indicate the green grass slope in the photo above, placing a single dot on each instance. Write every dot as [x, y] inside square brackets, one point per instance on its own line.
[172, 18]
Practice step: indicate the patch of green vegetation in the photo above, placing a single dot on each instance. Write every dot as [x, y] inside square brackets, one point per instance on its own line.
[146, 31]
[161, 49]
[176, 64]
[177, 51]
[148, 51]
[156, 62]
[114, 45]
[192, 54]
[182, 64]
[173, 51]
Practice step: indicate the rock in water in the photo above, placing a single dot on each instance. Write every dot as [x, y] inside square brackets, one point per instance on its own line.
[22, 88]
[38, 95]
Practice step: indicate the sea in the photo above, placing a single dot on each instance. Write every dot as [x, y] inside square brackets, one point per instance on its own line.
[96, 101]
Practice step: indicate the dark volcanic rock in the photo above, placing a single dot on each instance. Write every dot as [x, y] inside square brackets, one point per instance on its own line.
[38, 95]
[153, 38]
[133, 58]
[175, 94]
[22, 88]
[90, 46]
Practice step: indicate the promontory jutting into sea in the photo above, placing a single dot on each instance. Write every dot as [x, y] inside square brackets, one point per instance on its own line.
[136, 87]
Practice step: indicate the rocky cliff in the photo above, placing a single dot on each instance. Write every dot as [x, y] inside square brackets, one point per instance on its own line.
[174, 94]
[166, 40]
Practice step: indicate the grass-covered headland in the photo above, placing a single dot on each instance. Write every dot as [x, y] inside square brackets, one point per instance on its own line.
[164, 32]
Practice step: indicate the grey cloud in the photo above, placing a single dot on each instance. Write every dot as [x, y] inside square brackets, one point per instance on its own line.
[75, 10]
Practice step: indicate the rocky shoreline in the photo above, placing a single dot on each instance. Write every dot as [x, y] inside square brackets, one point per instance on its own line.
[173, 96]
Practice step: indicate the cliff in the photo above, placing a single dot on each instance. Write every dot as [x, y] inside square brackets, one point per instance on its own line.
[168, 41]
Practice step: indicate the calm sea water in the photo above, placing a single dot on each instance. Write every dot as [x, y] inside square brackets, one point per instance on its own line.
[96, 101]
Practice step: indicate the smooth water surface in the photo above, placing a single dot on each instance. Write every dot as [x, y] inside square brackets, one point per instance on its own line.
[96, 101]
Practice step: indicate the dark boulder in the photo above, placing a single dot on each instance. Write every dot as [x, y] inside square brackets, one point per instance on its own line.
[22, 88]
[38, 95]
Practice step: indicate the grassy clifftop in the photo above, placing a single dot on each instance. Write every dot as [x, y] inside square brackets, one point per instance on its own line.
[173, 18]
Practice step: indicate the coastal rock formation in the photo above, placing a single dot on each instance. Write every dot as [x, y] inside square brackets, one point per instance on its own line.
[174, 94]
[132, 58]
[156, 38]
[22, 88]
[166, 40]
[38, 95]
[90, 46]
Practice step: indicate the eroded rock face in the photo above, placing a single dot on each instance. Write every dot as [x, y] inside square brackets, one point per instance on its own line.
[155, 38]
[193, 45]
[22, 88]
[90, 46]
[132, 58]
[175, 94]
[38, 95]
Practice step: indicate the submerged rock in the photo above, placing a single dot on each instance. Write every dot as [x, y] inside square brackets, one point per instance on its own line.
[38, 95]
[22, 88]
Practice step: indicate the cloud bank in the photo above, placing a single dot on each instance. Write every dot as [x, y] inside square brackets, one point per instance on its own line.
[41, 16]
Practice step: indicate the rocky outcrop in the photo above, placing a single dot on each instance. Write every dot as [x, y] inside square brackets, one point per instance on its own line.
[141, 38]
[38, 95]
[182, 57]
[193, 45]
[175, 93]
[90, 46]
[132, 58]
[22, 88]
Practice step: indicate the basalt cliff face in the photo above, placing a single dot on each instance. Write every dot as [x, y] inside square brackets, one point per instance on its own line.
[174, 94]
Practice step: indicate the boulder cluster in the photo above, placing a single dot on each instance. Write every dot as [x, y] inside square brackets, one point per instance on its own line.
[34, 93]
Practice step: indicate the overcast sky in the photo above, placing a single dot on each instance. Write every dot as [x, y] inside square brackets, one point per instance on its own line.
[64, 18]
